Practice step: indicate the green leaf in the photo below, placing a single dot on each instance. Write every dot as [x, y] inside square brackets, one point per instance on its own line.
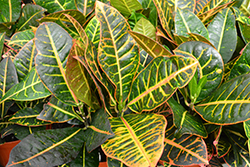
[182, 4]
[152, 47]
[186, 150]
[153, 11]
[2, 37]
[134, 18]
[244, 26]
[144, 27]
[87, 6]
[229, 104]
[99, 130]
[200, 6]
[126, 6]
[30, 14]
[242, 64]
[237, 157]
[55, 5]
[118, 52]
[54, 146]
[115, 163]
[222, 33]
[56, 111]
[159, 80]
[53, 44]
[10, 10]
[30, 88]
[245, 8]
[246, 126]
[185, 122]
[93, 31]
[140, 139]
[8, 78]
[25, 59]
[145, 59]
[187, 22]
[210, 64]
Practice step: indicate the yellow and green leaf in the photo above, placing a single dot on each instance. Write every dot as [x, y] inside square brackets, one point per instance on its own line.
[126, 7]
[55, 5]
[10, 10]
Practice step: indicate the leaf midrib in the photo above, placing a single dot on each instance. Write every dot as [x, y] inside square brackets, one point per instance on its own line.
[223, 31]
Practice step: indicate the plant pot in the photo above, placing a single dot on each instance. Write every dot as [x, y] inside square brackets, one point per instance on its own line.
[5, 151]
[103, 164]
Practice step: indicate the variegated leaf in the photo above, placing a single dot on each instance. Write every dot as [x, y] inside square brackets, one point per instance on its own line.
[126, 7]
[55, 5]
[183, 4]
[93, 31]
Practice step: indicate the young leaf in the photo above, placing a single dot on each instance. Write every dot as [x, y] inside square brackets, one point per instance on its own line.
[10, 10]
[55, 6]
[159, 80]
[222, 33]
[42, 147]
[30, 88]
[138, 147]
[144, 27]
[229, 104]
[118, 52]
[126, 6]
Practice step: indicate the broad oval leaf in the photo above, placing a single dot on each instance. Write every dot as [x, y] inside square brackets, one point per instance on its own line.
[159, 80]
[126, 7]
[10, 10]
[140, 139]
[187, 22]
[210, 64]
[56, 5]
[93, 31]
[118, 52]
[222, 33]
[144, 27]
[53, 44]
[229, 104]
[30, 88]
[54, 146]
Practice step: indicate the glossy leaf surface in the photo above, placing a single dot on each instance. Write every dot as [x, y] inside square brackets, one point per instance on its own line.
[93, 31]
[229, 104]
[166, 75]
[200, 6]
[140, 139]
[118, 52]
[10, 10]
[55, 5]
[186, 22]
[222, 33]
[126, 6]
[182, 4]
[54, 147]
[87, 6]
[210, 64]
[53, 44]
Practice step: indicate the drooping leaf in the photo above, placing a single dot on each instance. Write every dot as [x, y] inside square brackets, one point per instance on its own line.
[93, 31]
[53, 44]
[8, 78]
[30, 88]
[10, 10]
[55, 6]
[126, 6]
[159, 80]
[137, 147]
[118, 52]
[99, 130]
[185, 122]
[153, 11]
[25, 59]
[222, 33]
[183, 5]
[229, 104]
[144, 27]
[56, 111]
[186, 150]
[53, 147]
[210, 64]
[30, 14]
[152, 47]
[187, 22]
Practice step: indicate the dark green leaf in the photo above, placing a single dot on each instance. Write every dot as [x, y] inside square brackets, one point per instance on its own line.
[2, 36]
[9, 10]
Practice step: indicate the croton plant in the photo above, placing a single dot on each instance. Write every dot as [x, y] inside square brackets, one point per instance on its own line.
[147, 82]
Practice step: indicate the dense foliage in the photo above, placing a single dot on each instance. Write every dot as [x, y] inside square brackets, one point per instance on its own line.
[153, 82]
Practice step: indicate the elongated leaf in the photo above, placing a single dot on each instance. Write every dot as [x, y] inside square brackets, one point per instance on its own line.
[159, 80]
[185, 122]
[2, 36]
[8, 78]
[30, 88]
[25, 59]
[244, 26]
[229, 104]
[144, 27]
[10, 10]
[118, 52]
[222, 33]
[245, 8]
[126, 6]
[93, 31]
[165, 15]
[200, 5]
[55, 6]
[53, 44]
[210, 64]
[30, 14]
[56, 111]
[153, 11]
[53, 147]
[137, 147]
[182, 4]
[186, 150]
[152, 47]
[87, 6]
[242, 65]
[246, 126]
